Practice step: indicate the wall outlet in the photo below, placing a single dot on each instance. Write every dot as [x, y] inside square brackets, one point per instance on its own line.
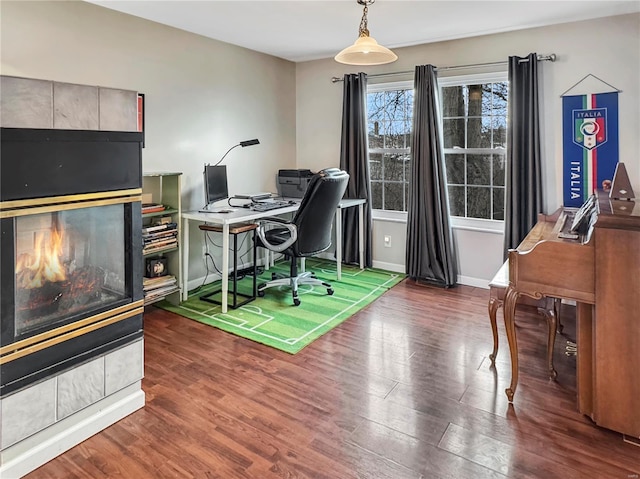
[387, 241]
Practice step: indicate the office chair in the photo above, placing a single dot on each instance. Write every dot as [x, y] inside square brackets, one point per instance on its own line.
[308, 233]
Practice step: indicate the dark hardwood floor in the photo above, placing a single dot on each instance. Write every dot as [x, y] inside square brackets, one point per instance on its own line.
[403, 389]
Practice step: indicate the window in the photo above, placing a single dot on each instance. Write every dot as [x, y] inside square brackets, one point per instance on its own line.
[474, 116]
[390, 113]
[474, 120]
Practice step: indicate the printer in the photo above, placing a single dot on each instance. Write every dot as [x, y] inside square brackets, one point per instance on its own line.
[293, 183]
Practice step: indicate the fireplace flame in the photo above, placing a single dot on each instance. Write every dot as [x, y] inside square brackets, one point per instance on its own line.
[44, 263]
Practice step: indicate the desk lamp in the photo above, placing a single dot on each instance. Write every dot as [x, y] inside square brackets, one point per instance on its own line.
[255, 141]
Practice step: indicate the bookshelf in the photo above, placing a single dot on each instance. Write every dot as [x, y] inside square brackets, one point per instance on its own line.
[161, 231]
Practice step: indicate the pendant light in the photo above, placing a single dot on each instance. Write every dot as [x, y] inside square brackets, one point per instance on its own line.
[365, 50]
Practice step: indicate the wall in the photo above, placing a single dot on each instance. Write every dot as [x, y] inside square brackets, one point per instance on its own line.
[615, 58]
[202, 96]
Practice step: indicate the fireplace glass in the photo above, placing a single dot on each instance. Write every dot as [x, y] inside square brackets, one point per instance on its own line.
[68, 264]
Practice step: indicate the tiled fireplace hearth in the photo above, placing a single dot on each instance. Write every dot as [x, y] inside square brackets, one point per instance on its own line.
[71, 336]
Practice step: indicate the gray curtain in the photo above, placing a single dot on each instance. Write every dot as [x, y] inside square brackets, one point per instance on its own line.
[523, 196]
[354, 159]
[430, 252]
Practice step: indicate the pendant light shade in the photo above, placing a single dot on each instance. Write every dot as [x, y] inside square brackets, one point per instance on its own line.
[365, 50]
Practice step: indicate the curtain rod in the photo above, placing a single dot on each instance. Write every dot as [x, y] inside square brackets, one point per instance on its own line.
[541, 58]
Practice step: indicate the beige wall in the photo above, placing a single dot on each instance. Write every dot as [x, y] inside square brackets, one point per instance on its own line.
[202, 96]
[614, 57]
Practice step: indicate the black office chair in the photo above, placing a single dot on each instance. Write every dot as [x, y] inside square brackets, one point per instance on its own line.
[308, 233]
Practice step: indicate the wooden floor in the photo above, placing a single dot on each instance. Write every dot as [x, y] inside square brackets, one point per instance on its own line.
[403, 389]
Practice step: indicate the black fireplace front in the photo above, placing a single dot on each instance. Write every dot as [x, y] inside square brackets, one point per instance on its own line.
[70, 257]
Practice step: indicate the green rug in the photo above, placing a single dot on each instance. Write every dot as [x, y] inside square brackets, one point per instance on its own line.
[274, 321]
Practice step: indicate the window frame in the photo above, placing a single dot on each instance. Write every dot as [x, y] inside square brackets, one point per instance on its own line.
[388, 215]
[457, 222]
[460, 222]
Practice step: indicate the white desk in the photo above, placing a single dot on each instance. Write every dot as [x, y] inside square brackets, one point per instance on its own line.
[243, 215]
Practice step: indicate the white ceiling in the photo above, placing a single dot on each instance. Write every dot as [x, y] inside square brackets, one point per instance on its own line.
[304, 30]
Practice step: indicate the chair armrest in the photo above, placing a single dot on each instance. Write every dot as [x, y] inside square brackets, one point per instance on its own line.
[293, 231]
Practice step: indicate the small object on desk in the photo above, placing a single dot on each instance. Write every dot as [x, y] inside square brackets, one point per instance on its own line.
[222, 210]
[269, 205]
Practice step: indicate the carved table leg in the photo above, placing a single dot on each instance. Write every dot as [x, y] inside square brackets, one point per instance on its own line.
[494, 304]
[510, 301]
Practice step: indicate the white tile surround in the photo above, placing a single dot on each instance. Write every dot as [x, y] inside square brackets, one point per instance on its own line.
[36, 422]
[47, 418]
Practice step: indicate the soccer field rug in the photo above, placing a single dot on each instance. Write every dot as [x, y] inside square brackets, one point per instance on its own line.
[274, 320]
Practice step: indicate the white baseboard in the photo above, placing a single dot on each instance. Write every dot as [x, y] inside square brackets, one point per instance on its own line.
[396, 268]
[26, 456]
[475, 282]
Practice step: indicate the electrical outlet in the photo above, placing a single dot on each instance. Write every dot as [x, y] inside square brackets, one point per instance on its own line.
[387, 241]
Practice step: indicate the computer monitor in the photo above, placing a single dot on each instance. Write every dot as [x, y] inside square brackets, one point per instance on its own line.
[215, 183]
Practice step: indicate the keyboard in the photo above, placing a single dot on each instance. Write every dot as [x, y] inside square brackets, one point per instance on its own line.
[269, 205]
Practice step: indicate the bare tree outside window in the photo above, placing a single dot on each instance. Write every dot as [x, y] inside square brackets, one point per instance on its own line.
[474, 126]
[474, 120]
[390, 115]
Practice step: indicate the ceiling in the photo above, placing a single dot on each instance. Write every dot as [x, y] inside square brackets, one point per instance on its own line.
[304, 30]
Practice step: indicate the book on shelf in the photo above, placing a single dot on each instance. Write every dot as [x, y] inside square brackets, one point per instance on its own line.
[161, 227]
[152, 208]
[150, 284]
[159, 246]
[159, 292]
[156, 239]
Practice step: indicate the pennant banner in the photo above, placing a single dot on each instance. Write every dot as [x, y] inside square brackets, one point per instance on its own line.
[590, 144]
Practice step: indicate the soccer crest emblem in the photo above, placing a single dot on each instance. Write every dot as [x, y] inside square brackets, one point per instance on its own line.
[590, 127]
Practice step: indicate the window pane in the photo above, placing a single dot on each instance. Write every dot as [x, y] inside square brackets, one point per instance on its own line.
[479, 202]
[389, 126]
[376, 195]
[499, 162]
[498, 203]
[456, 200]
[455, 169]
[453, 98]
[500, 95]
[478, 133]
[375, 106]
[479, 169]
[453, 133]
[499, 126]
[393, 167]
[394, 196]
[375, 138]
[409, 102]
[394, 134]
[475, 100]
[487, 99]
[375, 166]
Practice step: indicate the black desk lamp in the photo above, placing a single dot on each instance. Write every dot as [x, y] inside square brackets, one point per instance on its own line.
[255, 141]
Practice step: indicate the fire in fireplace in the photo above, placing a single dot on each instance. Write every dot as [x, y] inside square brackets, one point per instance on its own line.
[70, 257]
[67, 262]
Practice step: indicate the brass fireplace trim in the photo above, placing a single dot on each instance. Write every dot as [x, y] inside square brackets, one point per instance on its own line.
[10, 209]
[64, 333]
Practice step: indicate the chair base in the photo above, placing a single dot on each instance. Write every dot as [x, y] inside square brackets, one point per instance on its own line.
[293, 282]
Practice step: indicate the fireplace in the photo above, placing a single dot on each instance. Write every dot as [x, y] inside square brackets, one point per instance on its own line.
[70, 249]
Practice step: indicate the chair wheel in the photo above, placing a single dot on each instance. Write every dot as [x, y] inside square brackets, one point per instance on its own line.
[296, 302]
[274, 276]
[261, 294]
[330, 291]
